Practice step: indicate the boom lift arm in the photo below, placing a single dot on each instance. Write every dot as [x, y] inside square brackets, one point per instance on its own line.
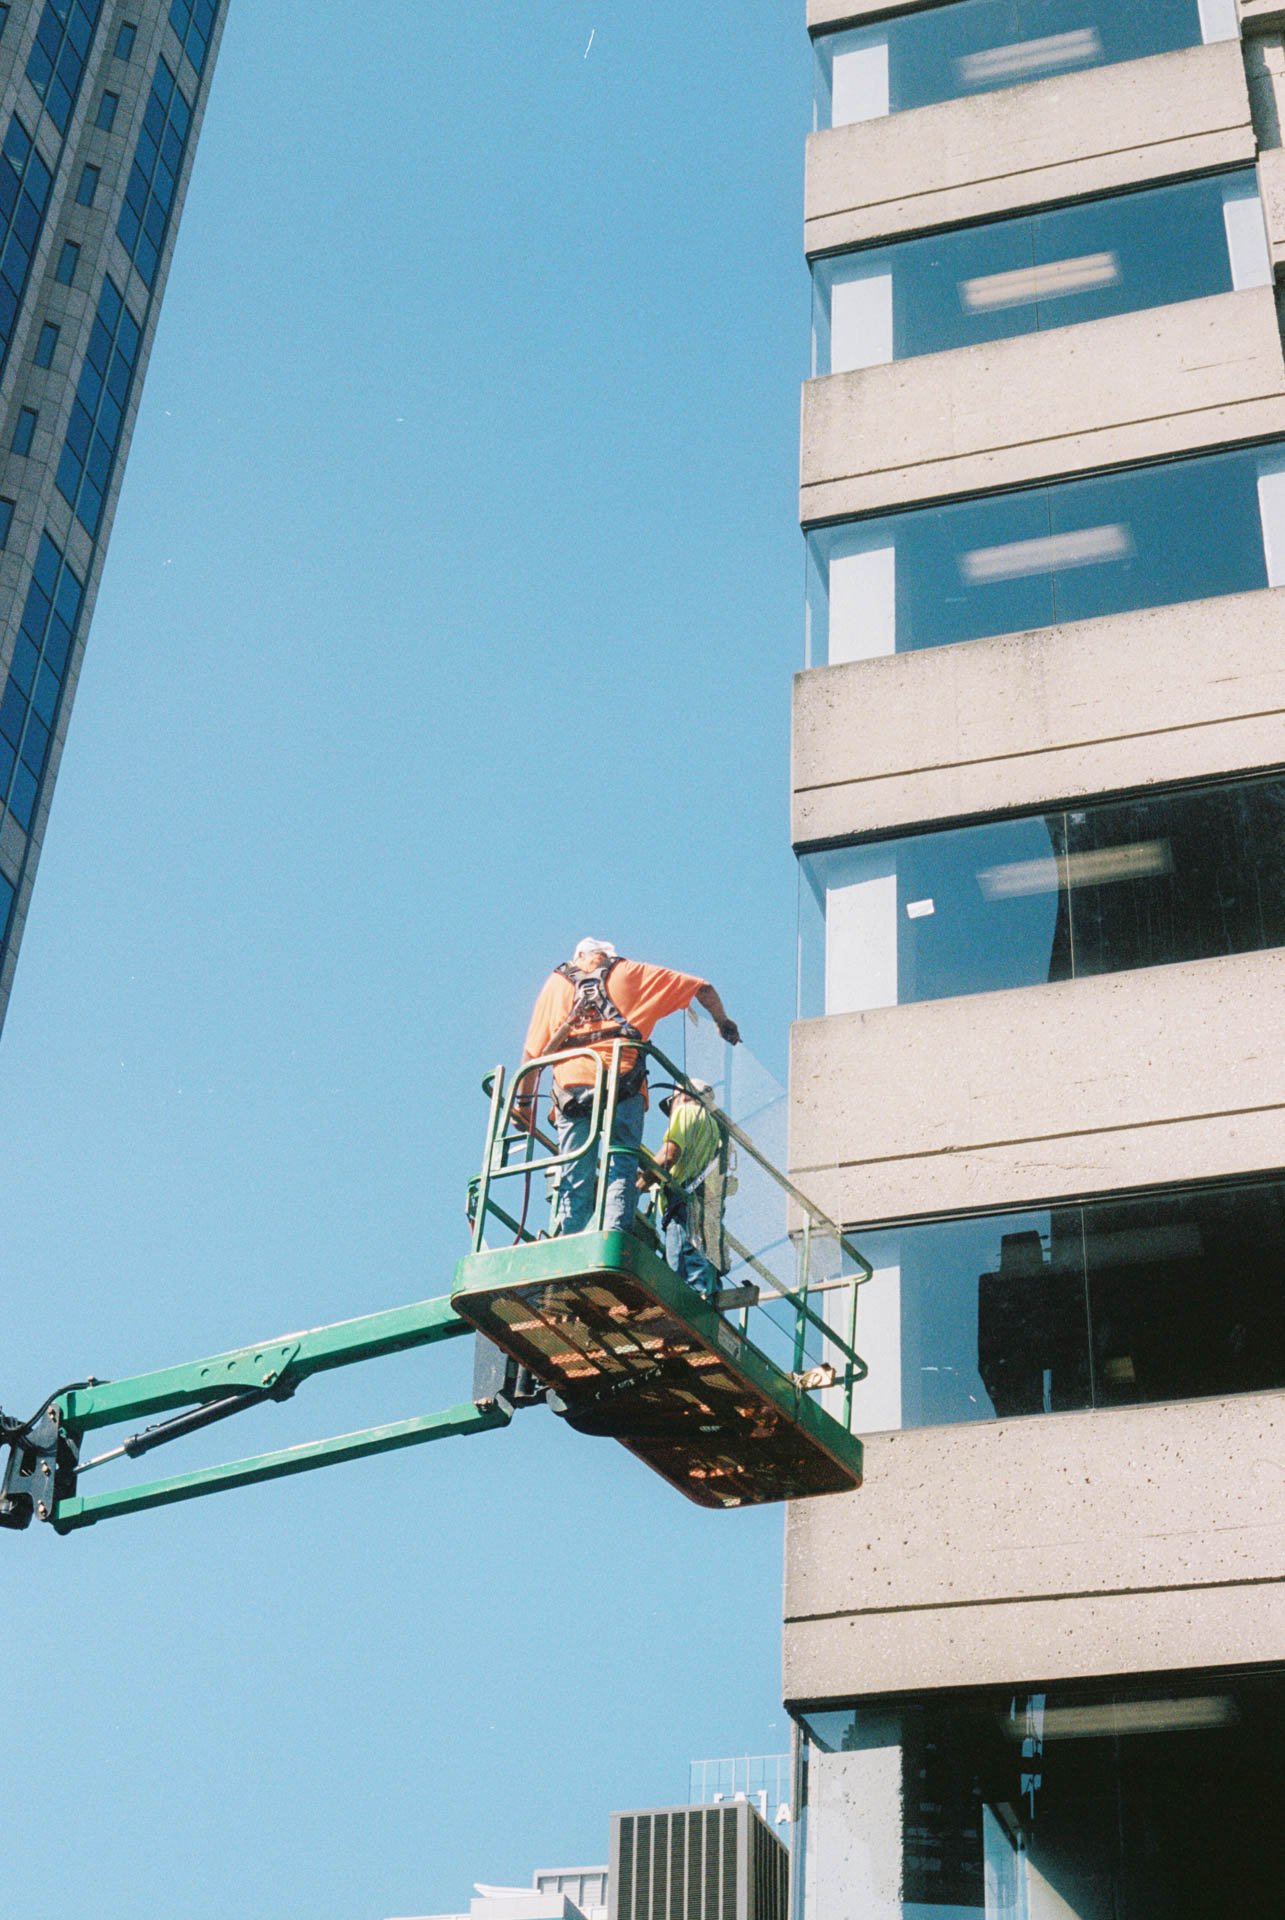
[735, 1399]
[46, 1464]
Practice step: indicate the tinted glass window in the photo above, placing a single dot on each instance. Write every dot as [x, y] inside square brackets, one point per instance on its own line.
[88, 185]
[973, 46]
[102, 393]
[193, 22]
[153, 177]
[106, 115]
[125, 38]
[24, 194]
[68, 260]
[57, 61]
[1010, 562]
[29, 703]
[1174, 1296]
[1054, 269]
[44, 354]
[1124, 1800]
[24, 431]
[1183, 875]
[6, 520]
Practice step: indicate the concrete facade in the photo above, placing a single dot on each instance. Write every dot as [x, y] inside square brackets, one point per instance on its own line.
[992, 725]
[1123, 1080]
[1083, 133]
[1143, 1540]
[30, 480]
[1043, 406]
[1073, 1545]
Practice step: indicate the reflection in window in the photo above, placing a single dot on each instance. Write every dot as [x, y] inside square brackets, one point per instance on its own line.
[1053, 269]
[193, 22]
[98, 411]
[153, 177]
[1129, 1801]
[1180, 875]
[1174, 1296]
[1013, 562]
[88, 187]
[46, 345]
[954, 52]
[25, 181]
[68, 261]
[29, 704]
[56, 64]
[24, 431]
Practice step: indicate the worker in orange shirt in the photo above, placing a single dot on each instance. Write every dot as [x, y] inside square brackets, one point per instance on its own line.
[592, 999]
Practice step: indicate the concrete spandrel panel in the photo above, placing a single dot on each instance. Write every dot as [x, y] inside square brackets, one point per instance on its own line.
[826, 14]
[983, 726]
[1079, 134]
[1041, 1542]
[1133, 387]
[1164, 1074]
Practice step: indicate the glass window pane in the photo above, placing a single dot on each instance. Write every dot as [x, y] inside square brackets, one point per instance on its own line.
[1187, 874]
[1008, 563]
[1070, 265]
[1138, 1799]
[975, 46]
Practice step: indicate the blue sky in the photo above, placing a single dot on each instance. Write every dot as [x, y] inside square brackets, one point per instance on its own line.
[449, 615]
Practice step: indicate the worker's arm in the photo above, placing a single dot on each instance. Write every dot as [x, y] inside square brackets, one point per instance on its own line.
[665, 1156]
[710, 999]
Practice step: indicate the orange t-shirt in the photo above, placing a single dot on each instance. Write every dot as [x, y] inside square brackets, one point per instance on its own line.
[644, 994]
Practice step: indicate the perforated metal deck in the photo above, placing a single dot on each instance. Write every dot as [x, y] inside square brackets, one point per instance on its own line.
[636, 1355]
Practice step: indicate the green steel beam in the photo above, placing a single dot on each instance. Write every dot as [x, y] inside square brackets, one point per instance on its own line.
[82, 1510]
[273, 1363]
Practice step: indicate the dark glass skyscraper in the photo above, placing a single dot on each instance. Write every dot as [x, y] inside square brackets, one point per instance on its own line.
[100, 108]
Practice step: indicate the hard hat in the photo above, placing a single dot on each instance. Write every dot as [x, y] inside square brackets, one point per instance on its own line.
[697, 1086]
[590, 945]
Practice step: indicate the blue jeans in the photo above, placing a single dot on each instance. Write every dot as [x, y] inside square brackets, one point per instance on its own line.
[574, 1194]
[684, 1256]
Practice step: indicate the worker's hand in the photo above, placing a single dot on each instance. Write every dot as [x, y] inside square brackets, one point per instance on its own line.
[730, 1032]
[524, 1112]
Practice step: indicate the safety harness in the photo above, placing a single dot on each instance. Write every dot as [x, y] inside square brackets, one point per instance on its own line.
[595, 1017]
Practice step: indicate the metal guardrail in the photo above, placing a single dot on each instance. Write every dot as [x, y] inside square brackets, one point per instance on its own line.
[782, 1322]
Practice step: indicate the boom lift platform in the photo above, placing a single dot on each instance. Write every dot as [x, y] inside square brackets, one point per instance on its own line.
[735, 1401]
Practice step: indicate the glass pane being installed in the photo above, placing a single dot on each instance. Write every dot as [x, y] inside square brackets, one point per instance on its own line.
[998, 563]
[1186, 874]
[974, 46]
[1138, 1800]
[1026, 275]
[1169, 1296]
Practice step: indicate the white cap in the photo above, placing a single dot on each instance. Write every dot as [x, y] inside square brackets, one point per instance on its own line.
[589, 945]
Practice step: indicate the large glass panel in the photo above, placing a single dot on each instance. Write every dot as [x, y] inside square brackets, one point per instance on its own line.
[973, 46]
[1138, 1800]
[1181, 875]
[1011, 562]
[1172, 1296]
[1026, 275]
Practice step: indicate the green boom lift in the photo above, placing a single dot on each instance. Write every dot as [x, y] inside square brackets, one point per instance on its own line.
[737, 1400]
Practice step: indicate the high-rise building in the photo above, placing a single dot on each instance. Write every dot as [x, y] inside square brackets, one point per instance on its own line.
[101, 104]
[1038, 1662]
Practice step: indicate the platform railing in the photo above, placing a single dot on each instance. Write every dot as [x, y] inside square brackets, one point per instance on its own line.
[798, 1274]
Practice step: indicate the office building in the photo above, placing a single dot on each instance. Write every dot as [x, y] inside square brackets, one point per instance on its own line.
[716, 1862]
[1038, 1661]
[697, 1863]
[101, 103]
